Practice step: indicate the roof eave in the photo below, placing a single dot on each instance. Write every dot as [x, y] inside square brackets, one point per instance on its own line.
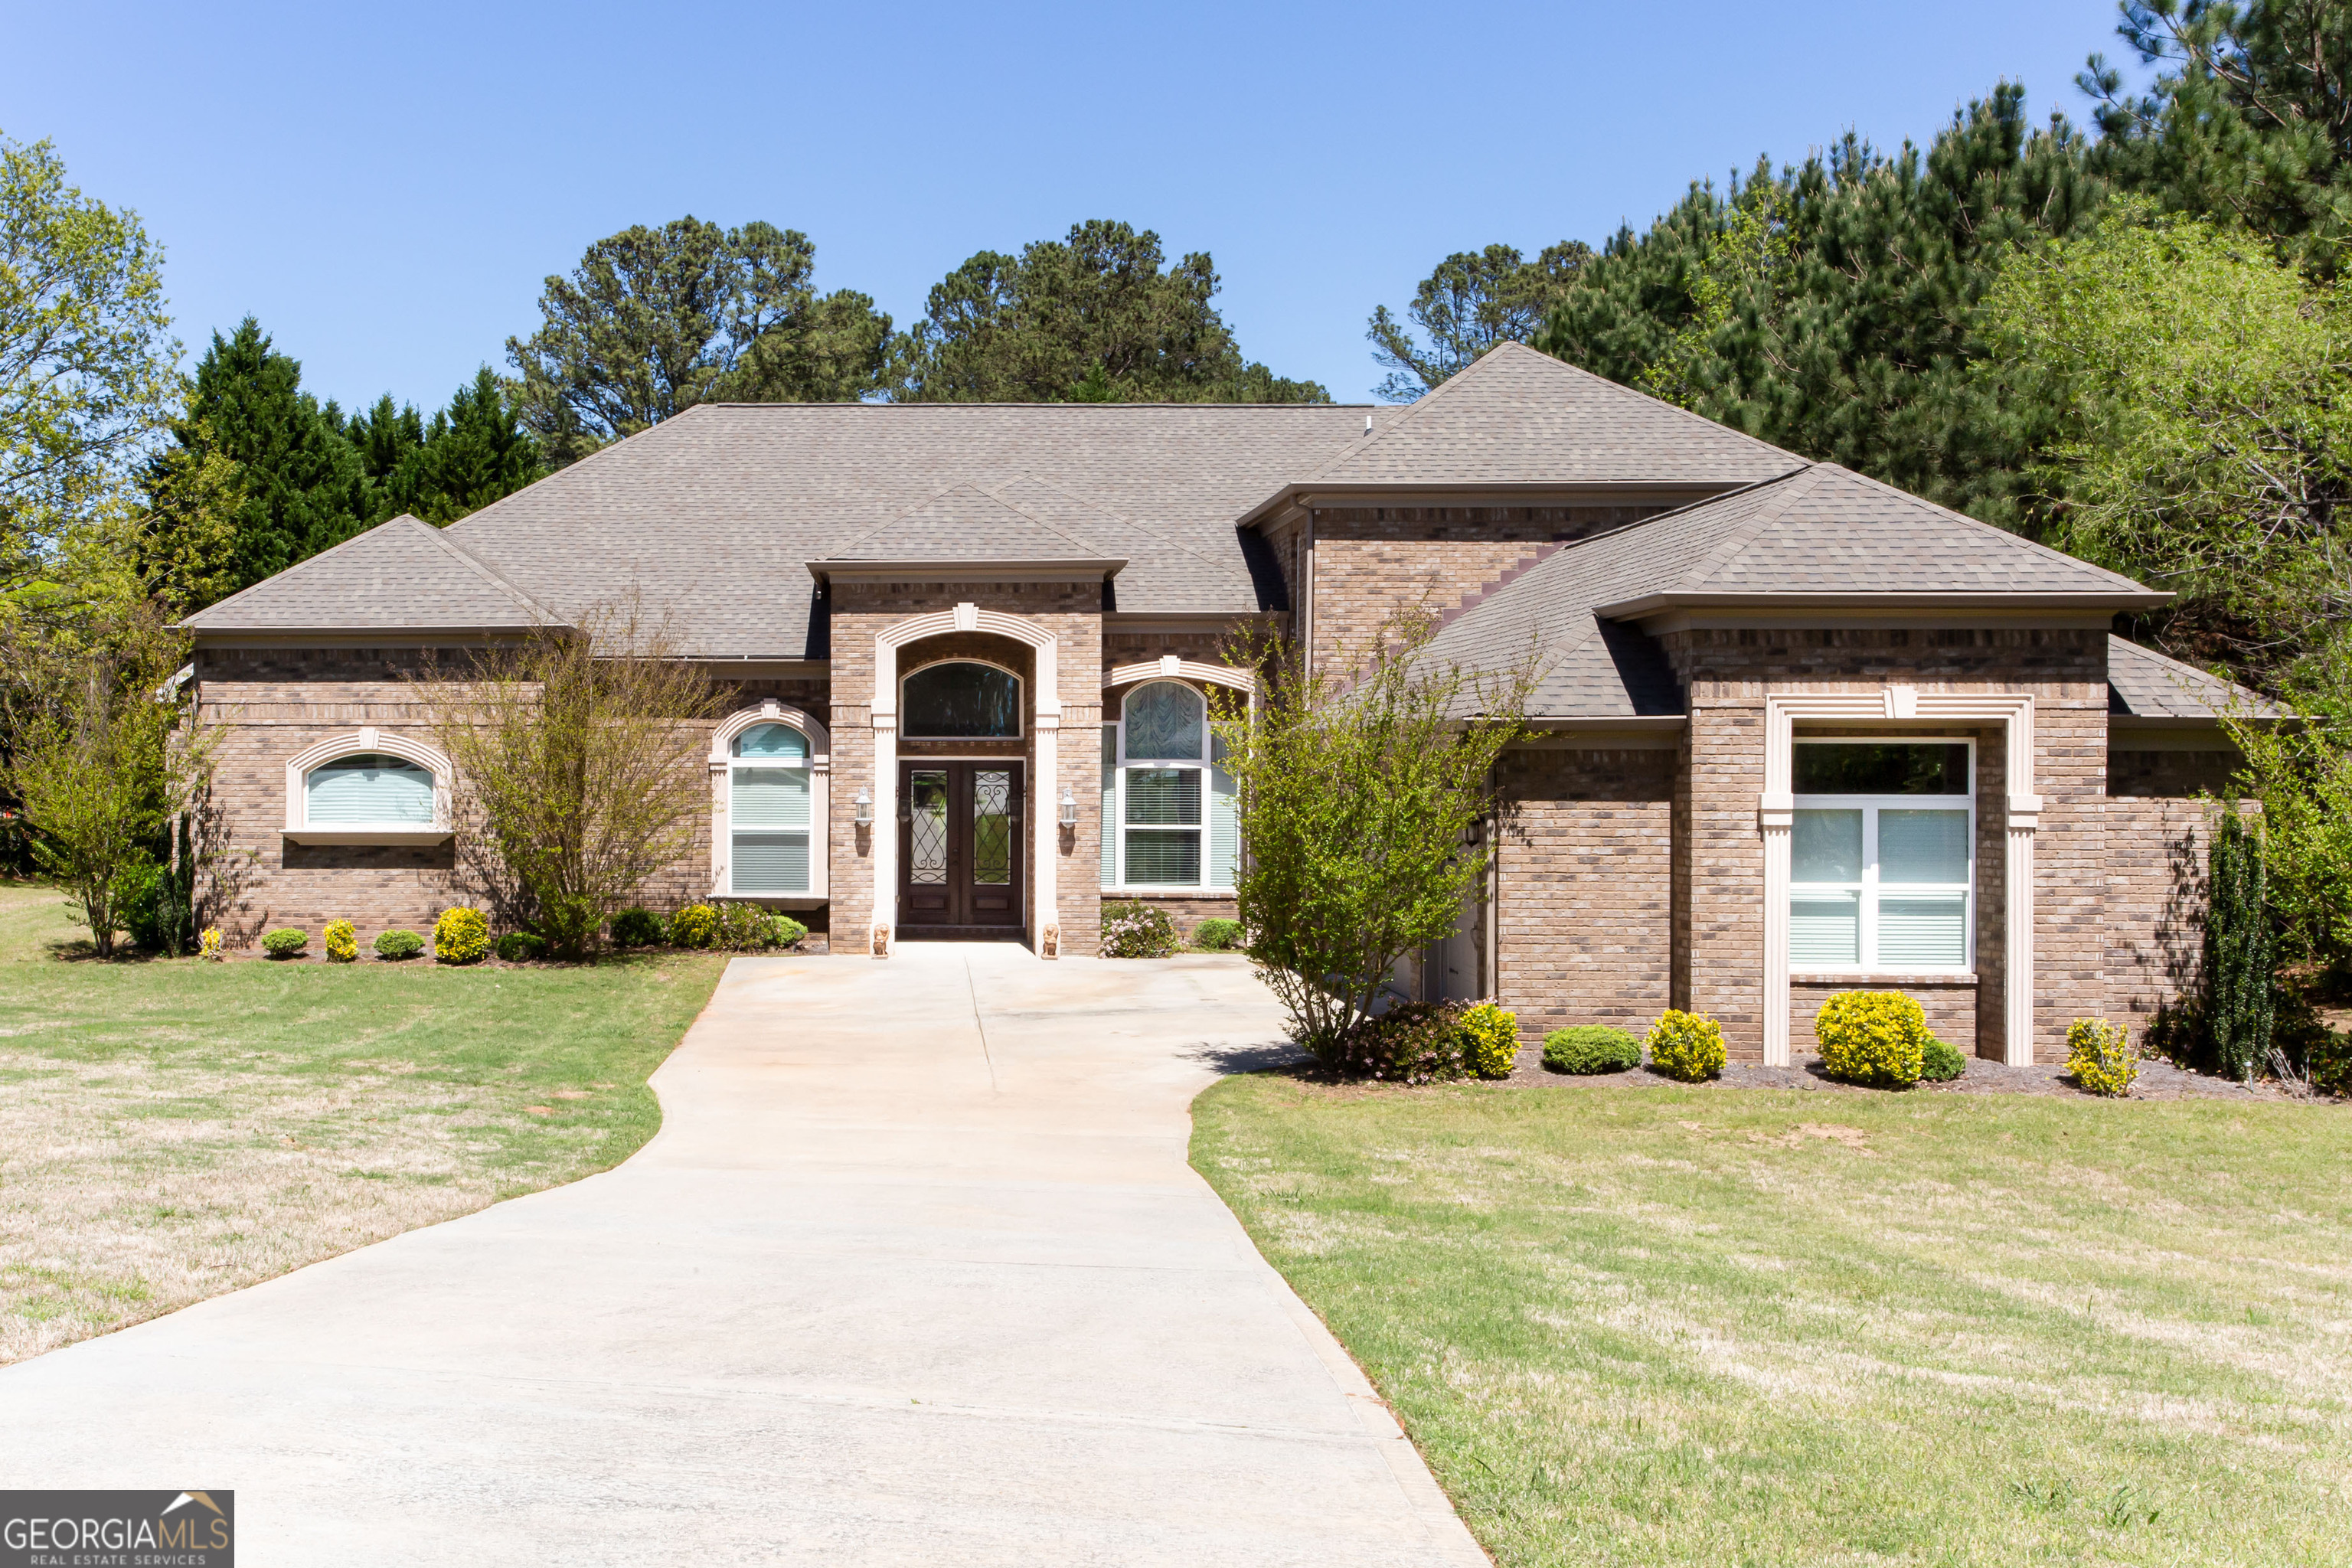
[1300, 491]
[1077, 566]
[1656, 603]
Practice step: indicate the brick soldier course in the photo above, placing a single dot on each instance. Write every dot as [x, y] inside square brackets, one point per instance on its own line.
[1688, 601]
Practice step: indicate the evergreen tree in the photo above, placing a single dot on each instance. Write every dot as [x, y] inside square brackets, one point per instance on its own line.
[2238, 957]
[299, 486]
[1088, 317]
[386, 438]
[1831, 307]
[2249, 120]
[1474, 300]
[475, 451]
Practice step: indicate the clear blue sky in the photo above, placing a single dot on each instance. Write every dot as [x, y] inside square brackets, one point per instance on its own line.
[386, 187]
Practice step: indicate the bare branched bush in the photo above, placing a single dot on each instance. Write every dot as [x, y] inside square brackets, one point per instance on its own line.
[579, 764]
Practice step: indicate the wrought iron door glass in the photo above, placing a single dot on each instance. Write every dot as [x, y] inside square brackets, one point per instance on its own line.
[927, 801]
[992, 826]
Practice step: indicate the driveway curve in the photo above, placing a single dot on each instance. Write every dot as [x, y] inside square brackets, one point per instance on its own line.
[916, 1271]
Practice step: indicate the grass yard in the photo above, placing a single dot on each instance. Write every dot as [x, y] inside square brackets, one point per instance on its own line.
[1669, 1326]
[169, 1130]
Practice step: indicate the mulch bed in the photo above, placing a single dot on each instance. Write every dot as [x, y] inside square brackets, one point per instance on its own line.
[2157, 1080]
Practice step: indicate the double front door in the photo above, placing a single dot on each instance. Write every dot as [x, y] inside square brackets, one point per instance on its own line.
[960, 844]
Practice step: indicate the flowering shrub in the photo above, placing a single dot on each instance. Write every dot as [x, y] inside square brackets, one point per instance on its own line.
[342, 942]
[1133, 929]
[636, 926]
[2099, 1055]
[209, 944]
[461, 935]
[1217, 935]
[1490, 1044]
[1590, 1048]
[1687, 1047]
[697, 925]
[1877, 1037]
[396, 945]
[743, 928]
[286, 942]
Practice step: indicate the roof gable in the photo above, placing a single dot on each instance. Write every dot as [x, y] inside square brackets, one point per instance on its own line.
[401, 576]
[968, 521]
[1519, 417]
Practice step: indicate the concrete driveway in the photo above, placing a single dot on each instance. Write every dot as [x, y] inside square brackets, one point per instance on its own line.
[914, 1272]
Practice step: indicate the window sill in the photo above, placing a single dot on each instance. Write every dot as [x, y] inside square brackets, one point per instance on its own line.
[395, 836]
[777, 901]
[1890, 978]
[1167, 892]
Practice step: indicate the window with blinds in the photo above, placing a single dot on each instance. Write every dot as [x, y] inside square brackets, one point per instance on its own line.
[1168, 804]
[368, 791]
[768, 811]
[1881, 858]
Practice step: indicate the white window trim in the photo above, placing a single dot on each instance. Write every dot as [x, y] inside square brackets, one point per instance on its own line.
[723, 779]
[1901, 704]
[1020, 698]
[1120, 764]
[1871, 887]
[364, 743]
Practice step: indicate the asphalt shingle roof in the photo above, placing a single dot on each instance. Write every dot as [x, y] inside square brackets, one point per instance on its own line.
[2145, 684]
[400, 576]
[1822, 530]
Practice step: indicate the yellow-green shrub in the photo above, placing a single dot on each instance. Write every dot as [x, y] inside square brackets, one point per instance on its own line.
[2099, 1055]
[1687, 1047]
[209, 944]
[461, 936]
[697, 925]
[1877, 1037]
[342, 942]
[1490, 1040]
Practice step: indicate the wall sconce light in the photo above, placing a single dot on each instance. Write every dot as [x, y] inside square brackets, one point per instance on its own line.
[1069, 807]
[865, 808]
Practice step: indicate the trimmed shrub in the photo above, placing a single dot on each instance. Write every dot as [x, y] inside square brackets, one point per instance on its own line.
[1217, 935]
[697, 925]
[2100, 1056]
[209, 944]
[1490, 1043]
[1940, 1063]
[521, 947]
[1687, 1047]
[636, 926]
[788, 930]
[1413, 1041]
[1133, 930]
[461, 935]
[286, 942]
[396, 945]
[1590, 1048]
[342, 942]
[1877, 1039]
[744, 928]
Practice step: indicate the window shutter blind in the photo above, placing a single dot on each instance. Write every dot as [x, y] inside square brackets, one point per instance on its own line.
[772, 862]
[770, 797]
[1111, 806]
[1224, 822]
[367, 791]
[1824, 930]
[1923, 930]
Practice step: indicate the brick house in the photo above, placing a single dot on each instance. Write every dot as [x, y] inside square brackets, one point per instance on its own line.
[1797, 730]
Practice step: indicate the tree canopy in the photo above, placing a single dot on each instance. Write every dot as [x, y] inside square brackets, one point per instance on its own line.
[1474, 300]
[1090, 317]
[654, 320]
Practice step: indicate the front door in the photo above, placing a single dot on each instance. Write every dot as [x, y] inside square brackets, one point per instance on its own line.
[960, 844]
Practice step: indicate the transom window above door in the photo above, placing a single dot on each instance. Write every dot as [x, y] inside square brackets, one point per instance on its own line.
[961, 700]
[1882, 863]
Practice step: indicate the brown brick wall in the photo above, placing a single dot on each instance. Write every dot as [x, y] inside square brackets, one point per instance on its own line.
[1187, 909]
[2161, 807]
[1584, 918]
[269, 704]
[1371, 562]
[1727, 674]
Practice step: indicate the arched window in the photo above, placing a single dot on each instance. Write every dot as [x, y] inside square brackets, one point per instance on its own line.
[768, 811]
[1168, 806]
[961, 701]
[369, 790]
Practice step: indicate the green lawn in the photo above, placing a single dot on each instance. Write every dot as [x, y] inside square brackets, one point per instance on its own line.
[1669, 1326]
[171, 1130]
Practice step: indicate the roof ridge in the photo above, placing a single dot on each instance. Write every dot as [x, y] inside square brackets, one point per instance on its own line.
[1980, 525]
[1127, 517]
[833, 551]
[994, 494]
[479, 567]
[1739, 538]
[1374, 433]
